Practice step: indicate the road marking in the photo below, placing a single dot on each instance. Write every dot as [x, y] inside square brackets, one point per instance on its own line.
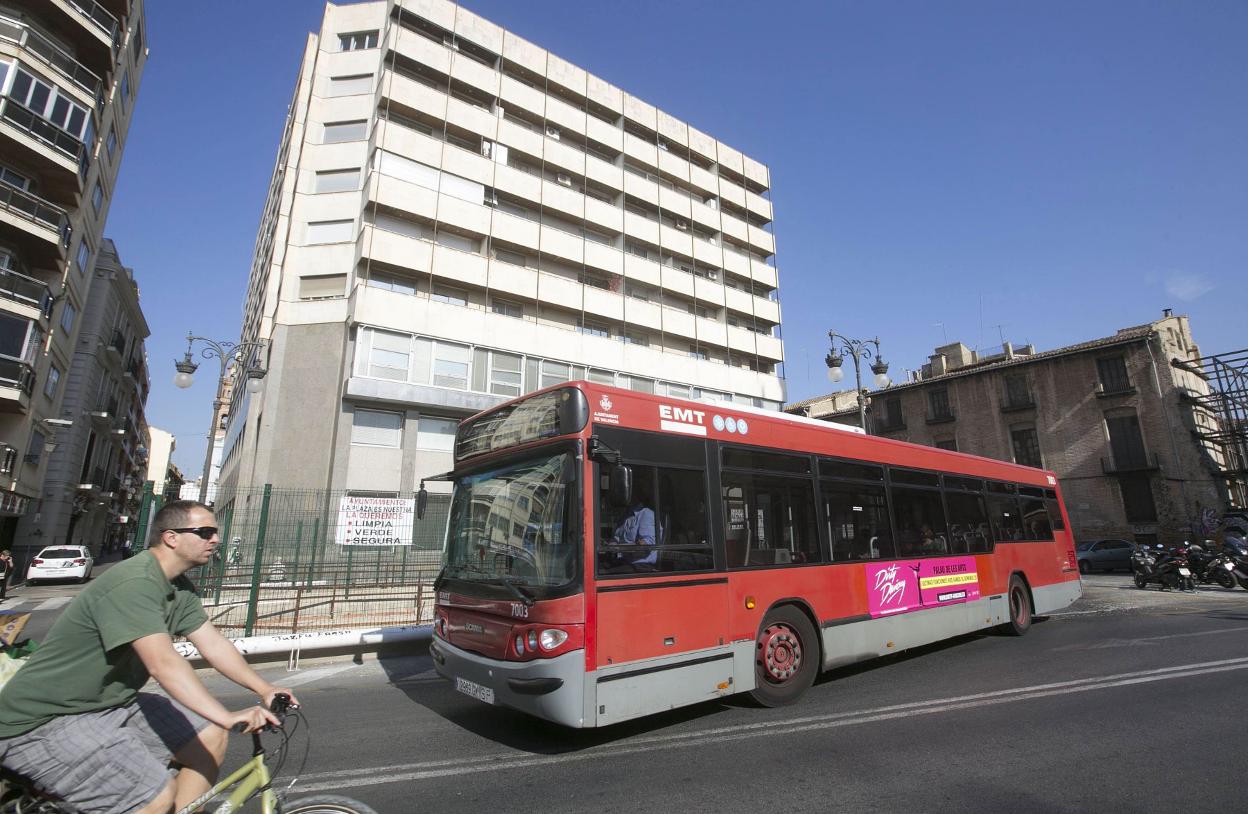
[53, 603]
[1146, 640]
[407, 772]
[309, 676]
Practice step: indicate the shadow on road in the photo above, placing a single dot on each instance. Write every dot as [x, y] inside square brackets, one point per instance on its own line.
[414, 676]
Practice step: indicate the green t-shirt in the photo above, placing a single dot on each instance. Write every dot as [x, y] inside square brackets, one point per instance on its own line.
[87, 662]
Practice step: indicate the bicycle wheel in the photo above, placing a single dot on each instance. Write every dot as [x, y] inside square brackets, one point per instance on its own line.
[326, 804]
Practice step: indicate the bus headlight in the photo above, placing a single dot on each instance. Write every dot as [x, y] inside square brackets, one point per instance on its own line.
[552, 638]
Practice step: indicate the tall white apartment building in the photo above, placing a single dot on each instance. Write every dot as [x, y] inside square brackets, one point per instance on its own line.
[457, 217]
[70, 72]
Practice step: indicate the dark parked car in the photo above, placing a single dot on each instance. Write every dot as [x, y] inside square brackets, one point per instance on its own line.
[1104, 555]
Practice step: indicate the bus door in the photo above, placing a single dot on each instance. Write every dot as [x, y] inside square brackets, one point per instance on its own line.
[661, 611]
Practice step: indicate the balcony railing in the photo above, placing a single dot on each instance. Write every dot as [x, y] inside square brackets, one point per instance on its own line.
[31, 39]
[42, 130]
[8, 459]
[18, 374]
[1135, 462]
[100, 16]
[34, 209]
[19, 288]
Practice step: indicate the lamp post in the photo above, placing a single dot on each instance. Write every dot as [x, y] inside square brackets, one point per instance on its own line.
[858, 350]
[245, 353]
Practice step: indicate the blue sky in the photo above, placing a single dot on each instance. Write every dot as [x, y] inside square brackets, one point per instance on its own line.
[1043, 172]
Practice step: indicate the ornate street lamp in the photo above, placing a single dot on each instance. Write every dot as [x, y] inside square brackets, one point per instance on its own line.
[246, 355]
[856, 349]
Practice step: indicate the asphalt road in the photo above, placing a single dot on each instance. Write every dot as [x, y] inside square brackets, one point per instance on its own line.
[1128, 701]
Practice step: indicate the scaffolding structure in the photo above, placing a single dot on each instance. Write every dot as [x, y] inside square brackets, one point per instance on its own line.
[1221, 422]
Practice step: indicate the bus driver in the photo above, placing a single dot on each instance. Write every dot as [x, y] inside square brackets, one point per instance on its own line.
[637, 527]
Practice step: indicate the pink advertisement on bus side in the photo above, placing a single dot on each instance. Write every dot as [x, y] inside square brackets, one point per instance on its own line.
[909, 585]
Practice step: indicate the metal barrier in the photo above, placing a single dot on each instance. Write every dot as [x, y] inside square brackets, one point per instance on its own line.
[295, 560]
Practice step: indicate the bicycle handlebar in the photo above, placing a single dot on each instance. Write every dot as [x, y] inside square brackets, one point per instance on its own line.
[280, 706]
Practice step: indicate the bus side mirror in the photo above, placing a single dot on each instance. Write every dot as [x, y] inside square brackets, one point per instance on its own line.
[422, 501]
[620, 485]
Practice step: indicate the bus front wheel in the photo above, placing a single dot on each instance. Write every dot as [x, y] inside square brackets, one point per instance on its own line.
[786, 658]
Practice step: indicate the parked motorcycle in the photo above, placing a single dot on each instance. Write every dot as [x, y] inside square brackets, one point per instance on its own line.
[1209, 567]
[1237, 552]
[1166, 568]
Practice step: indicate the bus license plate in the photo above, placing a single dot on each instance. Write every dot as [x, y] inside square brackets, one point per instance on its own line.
[474, 689]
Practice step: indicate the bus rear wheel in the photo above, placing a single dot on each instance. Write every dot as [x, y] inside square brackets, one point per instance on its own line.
[786, 658]
[1020, 609]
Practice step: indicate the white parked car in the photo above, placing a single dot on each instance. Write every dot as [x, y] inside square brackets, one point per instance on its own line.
[61, 562]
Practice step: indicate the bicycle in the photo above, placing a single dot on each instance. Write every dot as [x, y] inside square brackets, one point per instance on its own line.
[244, 784]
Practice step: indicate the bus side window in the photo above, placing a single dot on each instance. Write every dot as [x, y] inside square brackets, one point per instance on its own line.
[920, 524]
[769, 519]
[968, 523]
[684, 542]
[857, 519]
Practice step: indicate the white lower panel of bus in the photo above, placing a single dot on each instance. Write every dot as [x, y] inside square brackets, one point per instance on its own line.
[633, 690]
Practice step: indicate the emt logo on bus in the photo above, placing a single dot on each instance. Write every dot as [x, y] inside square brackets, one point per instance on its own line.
[693, 422]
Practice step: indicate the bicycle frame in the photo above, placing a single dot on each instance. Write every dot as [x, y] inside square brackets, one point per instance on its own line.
[250, 777]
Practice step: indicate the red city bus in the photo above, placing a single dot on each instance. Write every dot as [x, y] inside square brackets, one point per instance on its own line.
[612, 554]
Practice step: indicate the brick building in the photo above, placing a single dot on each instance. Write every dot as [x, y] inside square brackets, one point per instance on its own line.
[1119, 424]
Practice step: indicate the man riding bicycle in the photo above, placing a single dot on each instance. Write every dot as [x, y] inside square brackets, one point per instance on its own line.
[72, 720]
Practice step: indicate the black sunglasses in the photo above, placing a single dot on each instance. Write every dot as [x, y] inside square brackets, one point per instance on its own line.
[204, 532]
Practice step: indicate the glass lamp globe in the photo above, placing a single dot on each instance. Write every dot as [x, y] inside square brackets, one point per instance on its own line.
[183, 380]
[882, 380]
[254, 385]
[835, 374]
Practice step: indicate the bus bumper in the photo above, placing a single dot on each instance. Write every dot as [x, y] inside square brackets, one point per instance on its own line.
[551, 689]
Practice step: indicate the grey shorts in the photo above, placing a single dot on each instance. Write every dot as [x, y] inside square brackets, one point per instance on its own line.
[113, 761]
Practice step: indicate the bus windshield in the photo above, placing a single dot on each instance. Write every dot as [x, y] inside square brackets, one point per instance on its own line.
[509, 525]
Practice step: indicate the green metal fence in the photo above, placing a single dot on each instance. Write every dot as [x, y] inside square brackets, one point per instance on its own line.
[296, 560]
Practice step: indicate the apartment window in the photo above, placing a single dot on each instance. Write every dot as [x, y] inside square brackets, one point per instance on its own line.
[593, 328]
[357, 41]
[322, 286]
[1137, 499]
[505, 374]
[47, 102]
[330, 231]
[338, 180]
[634, 338]
[67, 316]
[1017, 393]
[125, 87]
[640, 384]
[97, 197]
[636, 249]
[697, 353]
[388, 355]
[54, 378]
[554, 373]
[891, 417]
[15, 179]
[451, 296]
[436, 433]
[1126, 442]
[84, 256]
[950, 444]
[337, 132]
[375, 428]
[391, 282]
[110, 143]
[35, 452]
[600, 376]
[1026, 446]
[405, 169]
[506, 256]
[938, 405]
[455, 241]
[1113, 373]
[507, 308]
[350, 85]
[450, 365]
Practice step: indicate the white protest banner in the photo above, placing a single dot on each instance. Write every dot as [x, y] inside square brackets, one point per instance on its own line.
[375, 521]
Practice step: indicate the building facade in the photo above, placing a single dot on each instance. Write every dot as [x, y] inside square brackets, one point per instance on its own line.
[457, 217]
[69, 74]
[95, 473]
[1115, 418]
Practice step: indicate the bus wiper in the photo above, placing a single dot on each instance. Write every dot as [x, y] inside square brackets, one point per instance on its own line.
[440, 578]
[520, 593]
